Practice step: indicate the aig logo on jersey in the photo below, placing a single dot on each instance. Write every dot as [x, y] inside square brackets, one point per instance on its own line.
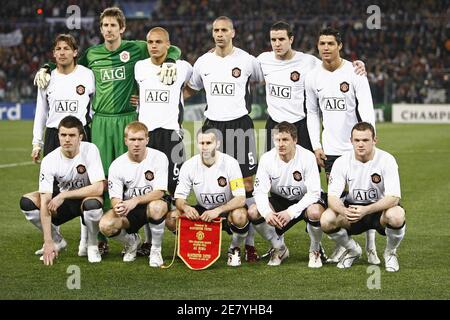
[112, 74]
[81, 89]
[297, 176]
[157, 96]
[236, 72]
[376, 178]
[124, 56]
[81, 169]
[222, 181]
[289, 191]
[335, 104]
[365, 195]
[64, 106]
[344, 86]
[149, 175]
[295, 76]
[222, 89]
[278, 91]
[213, 198]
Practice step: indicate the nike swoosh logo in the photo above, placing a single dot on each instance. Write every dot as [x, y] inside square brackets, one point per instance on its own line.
[318, 90]
[196, 183]
[128, 182]
[274, 178]
[252, 167]
[206, 74]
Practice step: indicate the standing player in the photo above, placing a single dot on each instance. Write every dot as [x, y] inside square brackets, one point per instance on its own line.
[69, 92]
[289, 172]
[77, 169]
[216, 180]
[225, 74]
[137, 181]
[113, 65]
[372, 202]
[161, 108]
[344, 99]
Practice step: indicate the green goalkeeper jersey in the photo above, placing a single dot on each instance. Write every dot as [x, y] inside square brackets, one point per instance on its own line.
[114, 74]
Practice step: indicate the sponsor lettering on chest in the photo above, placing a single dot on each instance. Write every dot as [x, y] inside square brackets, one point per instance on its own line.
[365, 195]
[64, 106]
[157, 96]
[213, 198]
[288, 191]
[222, 89]
[112, 74]
[278, 91]
[335, 104]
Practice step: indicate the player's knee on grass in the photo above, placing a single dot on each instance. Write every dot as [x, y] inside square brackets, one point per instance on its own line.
[394, 217]
[253, 213]
[328, 221]
[26, 204]
[171, 220]
[156, 209]
[314, 212]
[109, 225]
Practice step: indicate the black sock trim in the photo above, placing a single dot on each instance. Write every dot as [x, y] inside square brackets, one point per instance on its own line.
[313, 223]
[258, 221]
[394, 228]
[159, 221]
[239, 230]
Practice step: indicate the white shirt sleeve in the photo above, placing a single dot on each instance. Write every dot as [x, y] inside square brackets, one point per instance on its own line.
[312, 183]
[364, 96]
[337, 181]
[392, 178]
[161, 178]
[189, 70]
[184, 182]
[40, 118]
[196, 82]
[115, 183]
[261, 189]
[313, 115]
[46, 176]
[236, 180]
[257, 73]
[94, 165]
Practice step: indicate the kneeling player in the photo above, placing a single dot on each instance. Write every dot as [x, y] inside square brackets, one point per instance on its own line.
[217, 182]
[77, 169]
[137, 181]
[372, 202]
[289, 172]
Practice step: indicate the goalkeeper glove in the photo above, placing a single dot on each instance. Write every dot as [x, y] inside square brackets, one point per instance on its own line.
[42, 77]
[168, 72]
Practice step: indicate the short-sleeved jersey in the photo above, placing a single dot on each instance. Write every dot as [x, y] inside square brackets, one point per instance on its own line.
[82, 170]
[344, 99]
[114, 75]
[128, 179]
[66, 95]
[367, 182]
[160, 105]
[285, 84]
[296, 180]
[213, 186]
[226, 82]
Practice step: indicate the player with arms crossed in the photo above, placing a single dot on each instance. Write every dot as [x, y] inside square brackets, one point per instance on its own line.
[344, 99]
[137, 181]
[289, 172]
[216, 180]
[78, 171]
[161, 109]
[372, 202]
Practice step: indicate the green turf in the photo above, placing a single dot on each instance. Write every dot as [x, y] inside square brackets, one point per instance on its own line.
[422, 151]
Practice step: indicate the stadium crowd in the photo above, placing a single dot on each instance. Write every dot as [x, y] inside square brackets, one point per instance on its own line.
[407, 59]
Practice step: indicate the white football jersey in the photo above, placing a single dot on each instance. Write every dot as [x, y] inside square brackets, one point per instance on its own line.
[297, 180]
[160, 105]
[66, 95]
[226, 83]
[213, 186]
[82, 170]
[344, 98]
[367, 182]
[128, 179]
[285, 84]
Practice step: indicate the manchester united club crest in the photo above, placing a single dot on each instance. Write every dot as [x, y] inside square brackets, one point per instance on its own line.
[236, 72]
[344, 86]
[222, 181]
[149, 175]
[81, 89]
[81, 169]
[295, 76]
[297, 176]
[124, 56]
[376, 178]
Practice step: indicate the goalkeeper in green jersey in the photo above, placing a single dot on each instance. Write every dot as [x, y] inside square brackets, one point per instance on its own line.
[113, 65]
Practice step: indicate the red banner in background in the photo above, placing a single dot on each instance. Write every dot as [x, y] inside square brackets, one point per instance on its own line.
[199, 242]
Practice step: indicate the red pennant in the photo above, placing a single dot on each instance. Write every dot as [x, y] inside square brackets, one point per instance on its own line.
[199, 242]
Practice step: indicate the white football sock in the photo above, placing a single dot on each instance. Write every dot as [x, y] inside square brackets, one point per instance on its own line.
[370, 240]
[250, 239]
[268, 232]
[315, 234]
[237, 239]
[394, 237]
[34, 217]
[92, 219]
[83, 232]
[125, 238]
[342, 238]
[147, 233]
[157, 232]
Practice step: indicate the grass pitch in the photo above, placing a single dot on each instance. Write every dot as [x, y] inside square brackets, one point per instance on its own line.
[422, 152]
